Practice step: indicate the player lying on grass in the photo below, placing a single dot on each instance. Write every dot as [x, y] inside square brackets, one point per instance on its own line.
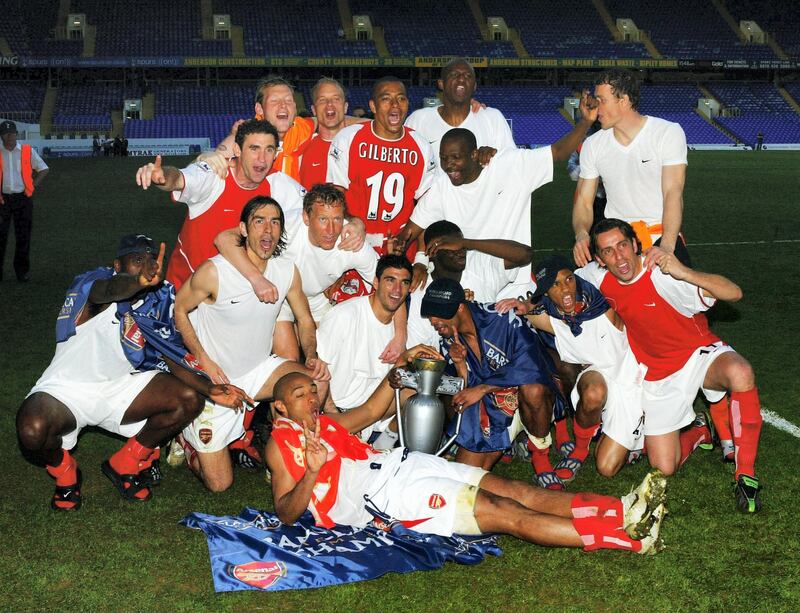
[662, 307]
[102, 375]
[319, 465]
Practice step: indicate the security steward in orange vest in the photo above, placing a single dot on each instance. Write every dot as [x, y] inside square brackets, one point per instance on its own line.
[21, 170]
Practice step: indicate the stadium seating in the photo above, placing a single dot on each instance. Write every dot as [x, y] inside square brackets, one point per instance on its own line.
[553, 29]
[283, 28]
[445, 27]
[762, 110]
[779, 20]
[21, 100]
[89, 106]
[158, 29]
[688, 30]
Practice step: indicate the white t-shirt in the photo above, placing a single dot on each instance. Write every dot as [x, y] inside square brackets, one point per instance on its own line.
[488, 125]
[486, 276]
[319, 268]
[349, 339]
[236, 330]
[92, 355]
[419, 328]
[497, 204]
[632, 174]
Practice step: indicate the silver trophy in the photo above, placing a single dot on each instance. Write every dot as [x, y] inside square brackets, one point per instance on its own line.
[421, 420]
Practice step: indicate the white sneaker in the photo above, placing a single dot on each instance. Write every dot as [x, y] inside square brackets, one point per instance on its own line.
[641, 503]
[175, 453]
[652, 542]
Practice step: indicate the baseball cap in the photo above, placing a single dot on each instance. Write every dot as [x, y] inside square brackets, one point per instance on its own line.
[136, 243]
[442, 298]
[546, 272]
[8, 127]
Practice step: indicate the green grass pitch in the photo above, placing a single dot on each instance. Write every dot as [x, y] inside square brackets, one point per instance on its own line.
[740, 215]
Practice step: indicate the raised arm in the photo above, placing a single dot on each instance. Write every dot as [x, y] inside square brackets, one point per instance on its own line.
[512, 253]
[124, 286]
[291, 497]
[165, 178]
[713, 286]
[564, 147]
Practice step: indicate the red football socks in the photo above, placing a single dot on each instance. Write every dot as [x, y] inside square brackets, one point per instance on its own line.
[583, 436]
[691, 438]
[126, 460]
[540, 459]
[562, 432]
[598, 521]
[746, 421]
[66, 473]
[720, 415]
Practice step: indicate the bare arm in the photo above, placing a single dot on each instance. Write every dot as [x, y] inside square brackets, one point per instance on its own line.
[564, 147]
[39, 175]
[227, 395]
[379, 403]
[582, 217]
[673, 179]
[713, 286]
[306, 328]
[227, 243]
[512, 253]
[200, 287]
[124, 286]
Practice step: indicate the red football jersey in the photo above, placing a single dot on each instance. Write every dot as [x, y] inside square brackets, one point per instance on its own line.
[215, 205]
[383, 178]
[661, 337]
[314, 164]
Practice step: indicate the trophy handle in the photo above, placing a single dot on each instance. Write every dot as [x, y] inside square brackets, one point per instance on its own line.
[399, 418]
[449, 441]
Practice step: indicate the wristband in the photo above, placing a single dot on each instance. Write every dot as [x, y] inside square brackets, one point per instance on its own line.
[421, 258]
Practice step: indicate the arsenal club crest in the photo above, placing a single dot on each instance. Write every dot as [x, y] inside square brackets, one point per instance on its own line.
[205, 435]
[436, 501]
[260, 575]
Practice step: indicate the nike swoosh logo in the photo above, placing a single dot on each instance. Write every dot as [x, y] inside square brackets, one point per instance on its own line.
[235, 301]
[651, 304]
[315, 164]
[645, 161]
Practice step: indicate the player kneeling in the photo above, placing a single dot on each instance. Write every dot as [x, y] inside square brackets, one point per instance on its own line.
[318, 464]
[101, 376]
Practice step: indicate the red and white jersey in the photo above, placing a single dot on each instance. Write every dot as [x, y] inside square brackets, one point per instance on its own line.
[382, 177]
[663, 317]
[215, 205]
[314, 164]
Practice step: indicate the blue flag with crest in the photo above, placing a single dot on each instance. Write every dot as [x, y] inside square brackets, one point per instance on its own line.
[255, 551]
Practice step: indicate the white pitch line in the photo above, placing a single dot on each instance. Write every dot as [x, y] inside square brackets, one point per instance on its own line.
[780, 423]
